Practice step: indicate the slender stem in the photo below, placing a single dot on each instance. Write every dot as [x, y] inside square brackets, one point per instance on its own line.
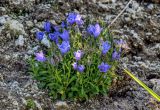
[119, 14]
[156, 96]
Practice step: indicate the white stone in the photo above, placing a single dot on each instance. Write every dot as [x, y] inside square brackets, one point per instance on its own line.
[20, 41]
[150, 6]
[61, 104]
[29, 23]
[135, 5]
[15, 27]
[2, 20]
[15, 103]
[38, 105]
[46, 42]
[156, 87]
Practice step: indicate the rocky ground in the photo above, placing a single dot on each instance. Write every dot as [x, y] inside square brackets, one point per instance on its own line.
[139, 25]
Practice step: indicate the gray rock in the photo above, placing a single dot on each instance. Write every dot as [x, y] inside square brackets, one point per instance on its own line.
[156, 48]
[156, 85]
[109, 17]
[46, 42]
[29, 24]
[39, 25]
[38, 105]
[2, 20]
[21, 4]
[15, 103]
[61, 105]
[130, 10]
[137, 58]
[127, 19]
[150, 6]
[32, 50]
[34, 30]
[135, 5]
[2, 11]
[20, 41]
[14, 86]
[148, 34]
[15, 27]
[105, 1]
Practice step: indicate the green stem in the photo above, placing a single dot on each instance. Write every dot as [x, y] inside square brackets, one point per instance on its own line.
[156, 96]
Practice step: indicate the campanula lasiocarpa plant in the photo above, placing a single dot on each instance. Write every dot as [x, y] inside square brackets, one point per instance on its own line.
[79, 64]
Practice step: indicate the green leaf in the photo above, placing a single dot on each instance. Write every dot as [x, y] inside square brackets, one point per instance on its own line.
[74, 88]
[63, 96]
[72, 79]
[156, 96]
[70, 94]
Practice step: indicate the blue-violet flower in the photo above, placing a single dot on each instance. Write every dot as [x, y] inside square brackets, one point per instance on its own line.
[54, 36]
[47, 26]
[94, 30]
[78, 55]
[63, 24]
[65, 35]
[74, 65]
[116, 55]
[39, 35]
[64, 47]
[80, 68]
[104, 67]
[40, 57]
[105, 47]
[74, 18]
[56, 28]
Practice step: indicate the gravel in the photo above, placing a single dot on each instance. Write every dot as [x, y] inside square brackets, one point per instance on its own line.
[139, 25]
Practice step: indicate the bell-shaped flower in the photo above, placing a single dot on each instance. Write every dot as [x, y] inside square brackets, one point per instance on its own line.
[74, 18]
[116, 55]
[94, 30]
[104, 67]
[105, 47]
[39, 35]
[78, 55]
[47, 26]
[54, 36]
[80, 68]
[75, 65]
[65, 35]
[40, 57]
[64, 47]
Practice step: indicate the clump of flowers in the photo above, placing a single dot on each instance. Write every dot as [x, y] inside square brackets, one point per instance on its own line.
[76, 66]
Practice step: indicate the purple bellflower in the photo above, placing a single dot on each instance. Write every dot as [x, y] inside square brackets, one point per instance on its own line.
[75, 65]
[63, 24]
[40, 57]
[104, 67]
[119, 42]
[65, 35]
[94, 30]
[56, 28]
[105, 47]
[39, 35]
[122, 44]
[64, 47]
[116, 55]
[80, 68]
[78, 55]
[47, 26]
[54, 36]
[74, 18]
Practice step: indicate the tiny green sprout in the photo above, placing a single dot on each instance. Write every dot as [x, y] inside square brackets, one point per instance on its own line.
[30, 104]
